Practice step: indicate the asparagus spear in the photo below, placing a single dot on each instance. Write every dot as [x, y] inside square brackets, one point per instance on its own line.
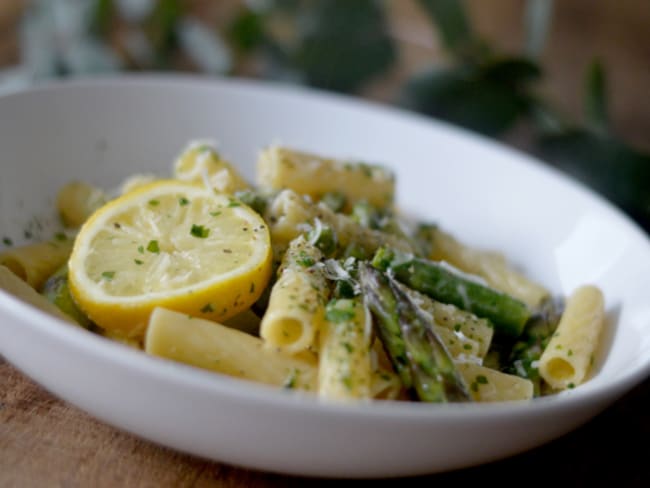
[441, 283]
[418, 355]
[528, 349]
[56, 291]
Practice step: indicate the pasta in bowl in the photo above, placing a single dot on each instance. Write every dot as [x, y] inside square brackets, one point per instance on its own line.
[362, 307]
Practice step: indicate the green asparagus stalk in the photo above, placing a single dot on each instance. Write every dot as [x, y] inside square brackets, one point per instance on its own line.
[526, 351]
[255, 200]
[418, 355]
[56, 290]
[383, 306]
[441, 283]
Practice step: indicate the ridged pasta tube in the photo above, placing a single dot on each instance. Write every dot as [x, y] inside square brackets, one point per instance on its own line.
[491, 266]
[567, 358]
[289, 213]
[297, 302]
[35, 263]
[200, 162]
[344, 352]
[77, 200]
[280, 167]
[215, 347]
[490, 385]
[464, 326]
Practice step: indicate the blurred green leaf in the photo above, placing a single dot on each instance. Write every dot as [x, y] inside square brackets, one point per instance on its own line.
[488, 99]
[161, 30]
[342, 44]
[615, 170]
[100, 18]
[513, 72]
[596, 98]
[247, 30]
[452, 23]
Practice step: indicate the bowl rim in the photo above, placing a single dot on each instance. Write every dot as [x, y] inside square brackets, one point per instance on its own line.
[183, 376]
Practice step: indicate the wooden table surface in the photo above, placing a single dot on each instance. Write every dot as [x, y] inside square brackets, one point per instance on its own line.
[45, 442]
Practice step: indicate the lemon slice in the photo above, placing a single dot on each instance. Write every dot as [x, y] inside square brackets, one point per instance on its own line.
[169, 244]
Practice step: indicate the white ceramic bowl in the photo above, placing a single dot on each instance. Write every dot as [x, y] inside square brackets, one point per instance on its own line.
[561, 234]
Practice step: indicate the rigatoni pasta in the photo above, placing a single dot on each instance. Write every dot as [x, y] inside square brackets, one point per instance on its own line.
[280, 168]
[35, 263]
[297, 303]
[570, 352]
[201, 163]
[364, 305]
[212, 346]
[344, 352]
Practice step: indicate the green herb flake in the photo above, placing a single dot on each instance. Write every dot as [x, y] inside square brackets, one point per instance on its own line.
[348, 347]
[138, 262]
[569, 353]
[292, 379]
[233, 203]
[108, 275]
[337, 315]
[457, 327]
[467, 347]
[182, 201]
[60, 236]
[154, 203]
[571, 386]
[207, 308]
[304, 259]
[153, 247]
[199, 231]
[365, 169]
[7, 241]
[482, 379]
[141, 249]
[216, 213]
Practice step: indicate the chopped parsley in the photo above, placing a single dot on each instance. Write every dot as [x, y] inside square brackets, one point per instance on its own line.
[60, 236]
[338, 315]
[207, 308]
[7, 242]
[348, 347]
[153, 247]
[482, 379]
[182, 201]
[233, 203]
[154, 203]
[305, 259]
[292, 380]
[138, 262]
[141, 249]
[199, 231]
[216, 213]
[108, 275]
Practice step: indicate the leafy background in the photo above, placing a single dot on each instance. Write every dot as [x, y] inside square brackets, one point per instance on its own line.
[466, 76]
